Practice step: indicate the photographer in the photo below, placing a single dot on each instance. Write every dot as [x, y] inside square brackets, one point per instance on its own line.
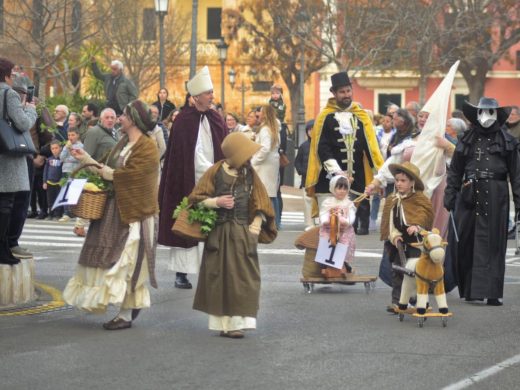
[14, 173]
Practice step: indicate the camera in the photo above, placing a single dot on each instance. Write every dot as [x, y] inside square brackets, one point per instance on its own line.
[30, 94]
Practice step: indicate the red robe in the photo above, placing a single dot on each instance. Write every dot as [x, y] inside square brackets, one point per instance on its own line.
[178, 174]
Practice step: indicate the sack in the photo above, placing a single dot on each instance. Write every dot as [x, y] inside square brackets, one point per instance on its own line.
[183, 228]
[284, 160]
[12, 141]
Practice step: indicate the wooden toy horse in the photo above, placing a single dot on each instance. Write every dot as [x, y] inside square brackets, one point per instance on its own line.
[429, 273]
[329, 272]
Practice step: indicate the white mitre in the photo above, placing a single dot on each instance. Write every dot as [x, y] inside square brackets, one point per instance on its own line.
[200, 83]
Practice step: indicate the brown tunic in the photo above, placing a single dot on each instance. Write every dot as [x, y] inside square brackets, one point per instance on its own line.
[229, 279]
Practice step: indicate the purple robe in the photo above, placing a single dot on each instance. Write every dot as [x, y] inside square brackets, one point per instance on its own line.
[178, 174]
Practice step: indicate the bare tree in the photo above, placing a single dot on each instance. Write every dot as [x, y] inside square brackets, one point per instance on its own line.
[130, 36]
[270, 35]
[48, 29]
[479, 33]
[421, 36]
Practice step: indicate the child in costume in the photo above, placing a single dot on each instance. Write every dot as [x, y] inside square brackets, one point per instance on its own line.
[341, 206]
[407, 211]
[229, 280]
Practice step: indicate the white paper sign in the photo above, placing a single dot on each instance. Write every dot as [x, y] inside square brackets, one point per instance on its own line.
[70, 193]
[333, 256]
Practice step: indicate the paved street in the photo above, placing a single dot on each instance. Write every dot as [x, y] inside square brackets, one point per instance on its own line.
[337, 337]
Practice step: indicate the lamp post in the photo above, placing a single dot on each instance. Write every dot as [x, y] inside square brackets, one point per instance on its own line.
[242, 88]
[302, 18]
[161, 9]
[222, 47]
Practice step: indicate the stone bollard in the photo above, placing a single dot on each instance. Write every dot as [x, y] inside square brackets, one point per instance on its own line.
[17, 283]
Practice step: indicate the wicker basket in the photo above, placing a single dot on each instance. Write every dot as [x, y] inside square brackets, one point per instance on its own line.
[91, 204]
[183, 228]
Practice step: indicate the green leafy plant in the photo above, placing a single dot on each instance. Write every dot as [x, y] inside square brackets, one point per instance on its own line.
[198, 213]
[91, 177]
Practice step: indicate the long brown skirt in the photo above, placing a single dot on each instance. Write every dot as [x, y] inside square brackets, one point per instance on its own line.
[105, 239]
[229, 278]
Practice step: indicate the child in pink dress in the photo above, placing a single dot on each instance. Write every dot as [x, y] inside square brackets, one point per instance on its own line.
[344, 208]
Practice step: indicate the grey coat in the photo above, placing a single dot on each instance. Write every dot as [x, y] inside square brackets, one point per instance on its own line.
[98, 142]
[14, 176]
[126, 89]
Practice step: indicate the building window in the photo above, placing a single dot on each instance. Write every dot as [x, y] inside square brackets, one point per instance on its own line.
[149, 27]
[214, 22]
[261, 86]
[459, 100]
[386, 99]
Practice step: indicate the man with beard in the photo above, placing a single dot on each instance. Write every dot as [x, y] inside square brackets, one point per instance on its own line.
[193, 147]
[477, 191]
[343, 142]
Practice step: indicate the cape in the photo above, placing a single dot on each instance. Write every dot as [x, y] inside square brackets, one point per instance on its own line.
[259, 201]
[417, 209]
[314, 168]
[178, 175]
[135, 184]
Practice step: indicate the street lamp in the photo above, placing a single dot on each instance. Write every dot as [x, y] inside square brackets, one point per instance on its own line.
[242, 88]
[161, 9]
[222, 56]
[301, 18]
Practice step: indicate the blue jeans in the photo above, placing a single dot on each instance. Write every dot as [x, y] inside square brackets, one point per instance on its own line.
[374, 211]
[277, 214]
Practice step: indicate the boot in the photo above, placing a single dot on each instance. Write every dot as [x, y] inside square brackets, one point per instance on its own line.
[6, 256]
[181, 281]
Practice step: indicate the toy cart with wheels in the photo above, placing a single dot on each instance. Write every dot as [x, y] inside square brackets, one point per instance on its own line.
[314, 273]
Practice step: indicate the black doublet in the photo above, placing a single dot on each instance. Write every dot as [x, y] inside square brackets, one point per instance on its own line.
[332, 146]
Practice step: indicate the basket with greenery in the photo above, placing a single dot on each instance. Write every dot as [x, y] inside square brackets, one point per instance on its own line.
[193, 221]
[91, 203]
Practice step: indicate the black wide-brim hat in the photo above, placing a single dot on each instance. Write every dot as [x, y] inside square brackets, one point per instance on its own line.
[471, 112]
[339, 80]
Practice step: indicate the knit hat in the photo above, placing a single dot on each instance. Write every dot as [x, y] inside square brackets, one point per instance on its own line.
[308, 239]
[200, 83]
[139, 113]
[411, 170]
[238, 148]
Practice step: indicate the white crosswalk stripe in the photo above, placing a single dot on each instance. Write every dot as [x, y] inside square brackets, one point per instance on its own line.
[60, 235]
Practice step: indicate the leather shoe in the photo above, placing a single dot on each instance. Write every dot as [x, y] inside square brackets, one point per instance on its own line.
[233, 334]
[362, 231]
[42, 216]
[494, 302]
[117, 324]
[32, 215]
[135, 313]
[182, 282]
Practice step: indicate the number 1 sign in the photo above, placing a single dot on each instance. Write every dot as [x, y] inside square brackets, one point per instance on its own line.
[333, 256]
[70, 193]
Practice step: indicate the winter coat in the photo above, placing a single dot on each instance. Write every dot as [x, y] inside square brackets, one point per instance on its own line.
[14, 174]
